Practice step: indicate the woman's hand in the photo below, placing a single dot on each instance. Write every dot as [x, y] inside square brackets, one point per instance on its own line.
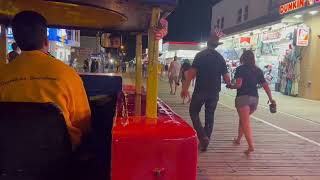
[237, 85]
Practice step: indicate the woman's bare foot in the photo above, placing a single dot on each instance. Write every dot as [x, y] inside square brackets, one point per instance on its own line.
[236, 141]
[249, 151]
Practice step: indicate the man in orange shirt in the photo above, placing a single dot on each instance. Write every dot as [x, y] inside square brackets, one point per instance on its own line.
[35, 76]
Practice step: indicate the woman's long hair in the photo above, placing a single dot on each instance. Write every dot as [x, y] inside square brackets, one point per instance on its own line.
[186, 66]
[248, 59]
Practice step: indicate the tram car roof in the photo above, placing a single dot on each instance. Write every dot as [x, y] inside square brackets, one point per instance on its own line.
[106, 15]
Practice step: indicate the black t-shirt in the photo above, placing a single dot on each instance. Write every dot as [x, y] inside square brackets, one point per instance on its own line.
[210, 67]
[251, 77]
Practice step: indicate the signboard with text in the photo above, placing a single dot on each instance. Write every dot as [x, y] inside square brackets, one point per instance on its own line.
[271, 37]
[58, 35]
[9, 33]
[302, 36]
[296, 5]
[245, 41]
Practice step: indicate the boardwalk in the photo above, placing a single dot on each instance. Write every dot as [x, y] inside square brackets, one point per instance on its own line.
[287, 146]
[287, 143]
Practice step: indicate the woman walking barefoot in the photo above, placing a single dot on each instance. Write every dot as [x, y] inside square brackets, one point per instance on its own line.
[248, 76]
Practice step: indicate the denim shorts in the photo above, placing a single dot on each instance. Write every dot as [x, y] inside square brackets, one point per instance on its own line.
[251, 101]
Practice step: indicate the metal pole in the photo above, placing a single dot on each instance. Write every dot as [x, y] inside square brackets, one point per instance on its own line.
[153, 56]
[138, 63]
[3, 45]
[98, 49]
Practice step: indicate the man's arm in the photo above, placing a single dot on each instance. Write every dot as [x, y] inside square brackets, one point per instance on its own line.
[225, 73]
[80, 114]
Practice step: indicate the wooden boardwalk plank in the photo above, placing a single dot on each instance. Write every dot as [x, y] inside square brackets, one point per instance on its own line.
[278, 155]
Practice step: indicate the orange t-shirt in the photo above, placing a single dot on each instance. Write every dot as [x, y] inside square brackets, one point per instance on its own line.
[36, 77]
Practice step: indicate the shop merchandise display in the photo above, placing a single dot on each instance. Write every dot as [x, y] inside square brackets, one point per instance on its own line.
[289, 71]
[275, 53]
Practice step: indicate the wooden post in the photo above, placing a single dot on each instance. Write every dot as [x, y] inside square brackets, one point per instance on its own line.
[3, 45]
[138, 63]
[153, 56]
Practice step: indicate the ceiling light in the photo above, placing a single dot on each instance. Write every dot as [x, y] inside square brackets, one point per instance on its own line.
[313, 12]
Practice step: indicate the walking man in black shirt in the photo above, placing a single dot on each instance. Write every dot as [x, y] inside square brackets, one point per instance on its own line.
[207, 68]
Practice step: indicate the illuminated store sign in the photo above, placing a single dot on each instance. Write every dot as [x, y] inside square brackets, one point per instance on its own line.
[58, 35]
[9, 33]
[295, 5]
[303, 34]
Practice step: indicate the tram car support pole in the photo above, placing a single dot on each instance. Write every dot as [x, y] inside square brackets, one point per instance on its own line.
[153, 56]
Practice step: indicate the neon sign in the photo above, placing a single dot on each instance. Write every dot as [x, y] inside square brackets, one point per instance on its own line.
[303, 34]
[295, 5]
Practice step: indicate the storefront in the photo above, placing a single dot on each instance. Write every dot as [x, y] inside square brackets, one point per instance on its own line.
[61, 41]
[183, 50]
[287, 50]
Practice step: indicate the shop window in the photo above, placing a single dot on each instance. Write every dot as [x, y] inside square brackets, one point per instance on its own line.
[239, 20]
[69, 34]
[77, 35]
[222, 23]
[246, 13]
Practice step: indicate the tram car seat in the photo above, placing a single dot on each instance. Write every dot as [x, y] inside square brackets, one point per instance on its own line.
[34, 142]
[103, 91]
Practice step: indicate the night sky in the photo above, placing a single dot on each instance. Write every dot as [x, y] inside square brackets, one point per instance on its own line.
[190, 22]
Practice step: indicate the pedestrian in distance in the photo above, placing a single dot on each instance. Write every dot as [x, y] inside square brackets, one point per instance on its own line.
[248, 76]
[166, 68]
[173, 75]
[208, 67]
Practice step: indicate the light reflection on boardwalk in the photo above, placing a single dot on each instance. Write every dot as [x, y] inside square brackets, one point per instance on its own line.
[279, 155]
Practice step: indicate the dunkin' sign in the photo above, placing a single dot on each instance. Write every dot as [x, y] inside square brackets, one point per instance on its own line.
[295, 5]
